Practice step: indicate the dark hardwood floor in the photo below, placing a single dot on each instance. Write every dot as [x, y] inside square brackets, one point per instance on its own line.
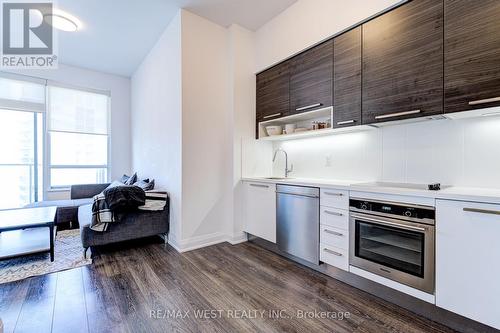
[147, 287]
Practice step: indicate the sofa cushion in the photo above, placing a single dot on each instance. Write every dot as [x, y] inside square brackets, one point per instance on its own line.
[86, 190]
[129, 180]
[145, 184]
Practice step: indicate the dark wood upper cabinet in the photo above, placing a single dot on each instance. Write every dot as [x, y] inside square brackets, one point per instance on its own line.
[403, 63]
[311, 75]
[273, 92]
[347, 79]
[472, 54]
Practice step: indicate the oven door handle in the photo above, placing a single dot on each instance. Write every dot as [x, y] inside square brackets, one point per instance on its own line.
[391, 224]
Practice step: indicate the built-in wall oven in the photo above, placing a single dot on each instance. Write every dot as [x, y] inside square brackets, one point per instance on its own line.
[393, 240]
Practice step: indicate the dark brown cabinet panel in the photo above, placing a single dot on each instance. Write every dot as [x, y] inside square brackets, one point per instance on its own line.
[273, 92]
[472, 54]
[403, 63]
[347, 79]
[311, 75]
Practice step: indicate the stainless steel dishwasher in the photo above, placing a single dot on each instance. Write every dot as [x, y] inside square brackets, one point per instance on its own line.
[297, 227]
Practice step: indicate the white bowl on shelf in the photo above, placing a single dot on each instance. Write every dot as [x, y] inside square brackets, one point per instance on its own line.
[274, 130]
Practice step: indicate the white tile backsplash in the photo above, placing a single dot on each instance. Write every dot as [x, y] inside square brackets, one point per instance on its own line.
[481, 152]
[457, 152]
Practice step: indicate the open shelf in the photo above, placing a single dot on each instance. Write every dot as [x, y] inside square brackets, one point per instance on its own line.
[305, 120]
[320, 114]
[315, 133]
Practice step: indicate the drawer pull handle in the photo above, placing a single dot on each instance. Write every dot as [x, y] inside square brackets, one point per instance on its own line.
[346, 122]
[333, 233]
[308, 107]
[272, 115]
[332, 252]
[333, 213]
[484, 101]
[482, 211]
[259, 185]
[333, 193]
[397, 114]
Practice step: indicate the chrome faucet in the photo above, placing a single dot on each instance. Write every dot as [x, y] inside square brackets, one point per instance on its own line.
[287, 171]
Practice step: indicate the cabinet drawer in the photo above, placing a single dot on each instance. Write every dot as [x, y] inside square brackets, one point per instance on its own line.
[334, 256]
[334, 198]
[333, 217]
[334, 237]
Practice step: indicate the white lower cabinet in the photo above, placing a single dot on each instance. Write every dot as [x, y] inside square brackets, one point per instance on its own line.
[334, 217]
[260, 210]
[334, 227]
[334, 236]
[334, 256]
[468, 260]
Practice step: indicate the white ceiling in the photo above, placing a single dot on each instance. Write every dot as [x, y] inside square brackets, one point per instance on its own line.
[117, 34]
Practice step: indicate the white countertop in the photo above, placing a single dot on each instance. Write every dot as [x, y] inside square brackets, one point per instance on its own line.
[338, 184]
[484, 195]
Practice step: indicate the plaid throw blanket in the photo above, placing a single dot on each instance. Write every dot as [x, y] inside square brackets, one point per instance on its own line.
[103, 213]
[155, 200]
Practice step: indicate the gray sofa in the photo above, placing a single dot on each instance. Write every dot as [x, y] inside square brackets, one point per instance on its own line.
[134, 224]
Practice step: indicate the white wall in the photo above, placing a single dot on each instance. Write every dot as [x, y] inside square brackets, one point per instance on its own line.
[120, 111]
[454, 152]
[308, 22]
[242, 85]
[184, 97]
[206, 131]
[156, 119]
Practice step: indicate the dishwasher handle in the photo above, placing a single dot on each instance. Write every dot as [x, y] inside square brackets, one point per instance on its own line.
[300, 195]
[304, 191]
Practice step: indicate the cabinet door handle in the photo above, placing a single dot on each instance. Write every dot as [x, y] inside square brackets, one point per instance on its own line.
[333, 232]
[260, 185]
[397, 114]
[352, 121]
[308, 107]
[482, 211]
[271, 115]
[334, 193]
[333, 213]
[332, 252]
[484, 101]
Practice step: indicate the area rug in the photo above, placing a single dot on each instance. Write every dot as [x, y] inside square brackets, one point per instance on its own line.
[68, 254]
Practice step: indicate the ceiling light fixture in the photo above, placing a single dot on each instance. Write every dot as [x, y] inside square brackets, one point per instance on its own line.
[63, 21]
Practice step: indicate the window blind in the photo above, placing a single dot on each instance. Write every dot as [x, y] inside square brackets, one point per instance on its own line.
[22, 93]
[77, 111]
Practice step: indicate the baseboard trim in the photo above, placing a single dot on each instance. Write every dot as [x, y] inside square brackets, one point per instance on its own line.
[237, 238]
[199, 242]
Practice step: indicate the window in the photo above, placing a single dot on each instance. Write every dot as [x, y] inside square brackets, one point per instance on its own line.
[22, 106]
[51, 137]
[78, 137]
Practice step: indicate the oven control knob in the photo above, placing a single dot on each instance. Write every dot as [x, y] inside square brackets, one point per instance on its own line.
[364, 206]
[408, 213]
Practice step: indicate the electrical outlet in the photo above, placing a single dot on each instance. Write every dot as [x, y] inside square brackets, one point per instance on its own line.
[328, 160]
